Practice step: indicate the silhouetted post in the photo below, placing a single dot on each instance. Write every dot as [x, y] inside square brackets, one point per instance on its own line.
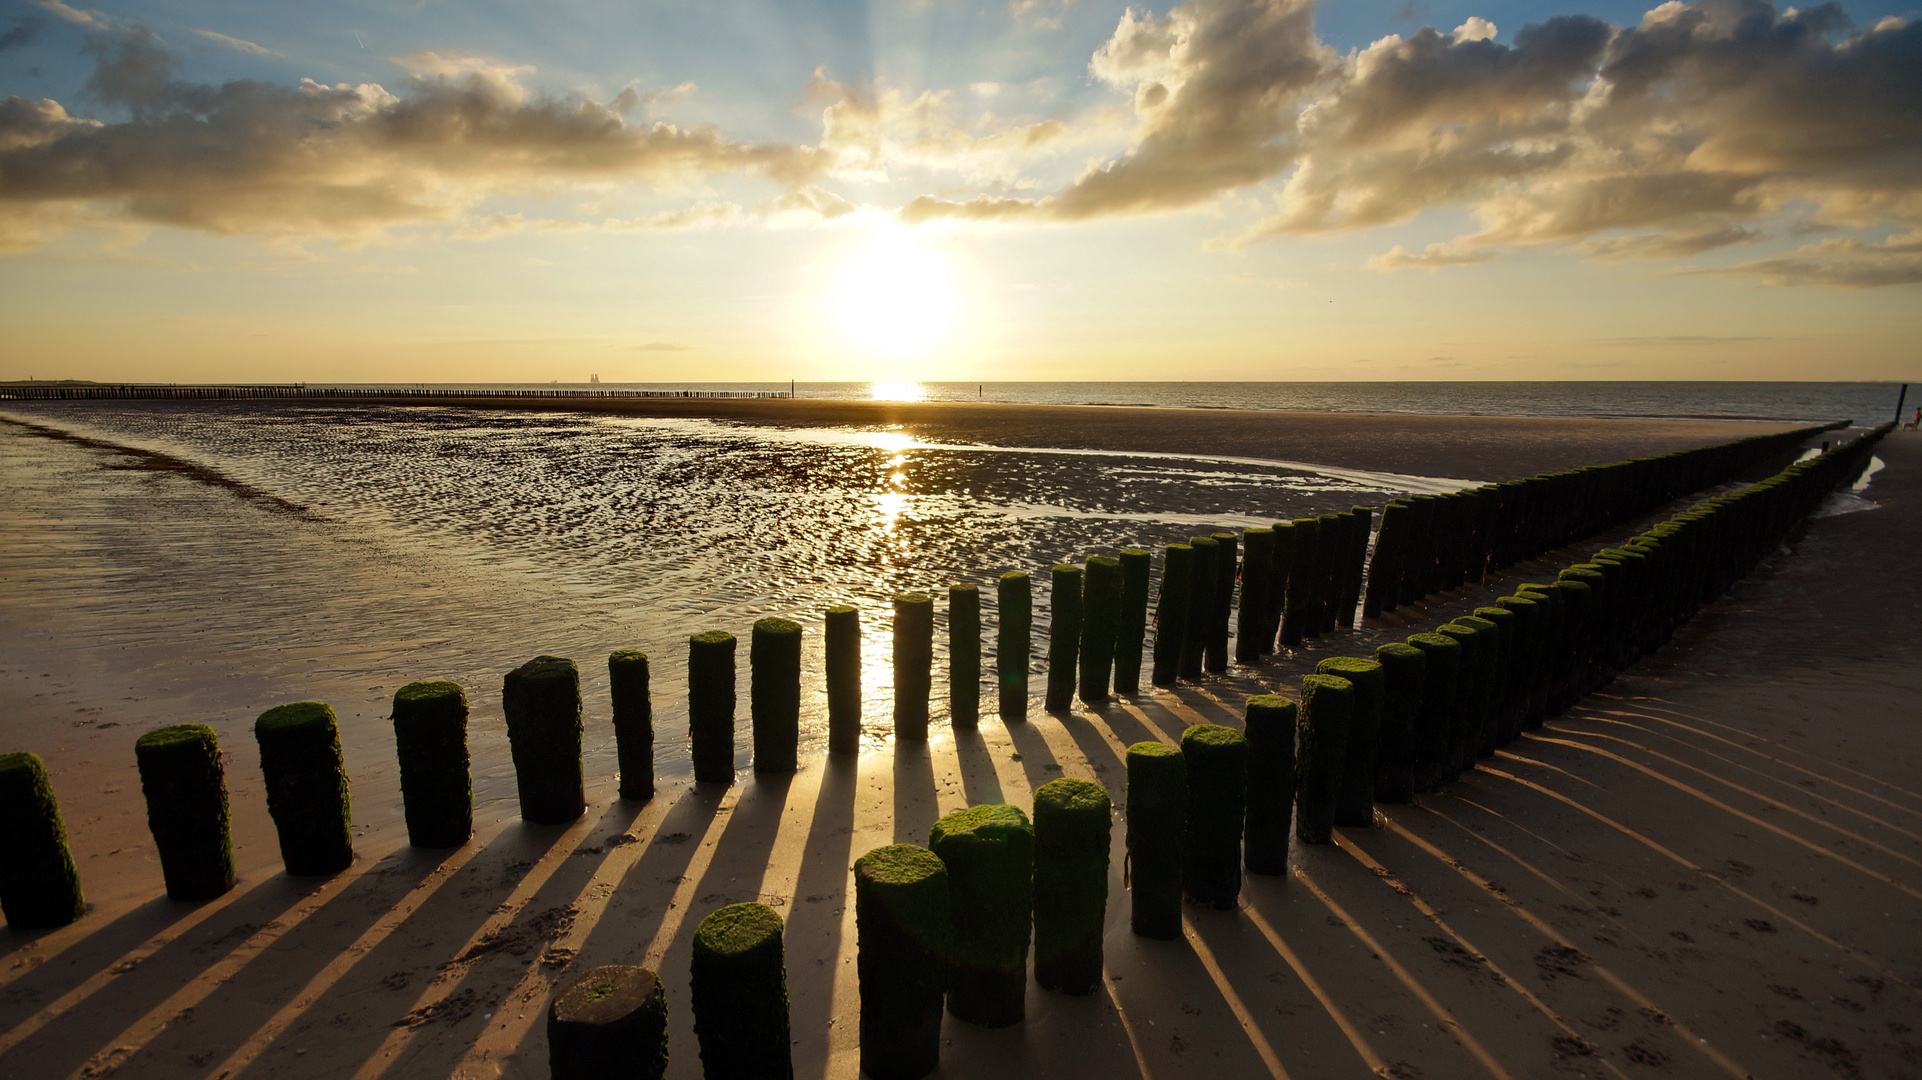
[1171, 613]
[39, 886]
[1100, 619]
[774, 694]
[843, 659]
[1217, 809]
[1402, 667]
[904, 934]
[964, 656]
[1132, 632]
[738, 986]
[608, 1021]
[1435, 723]
[1201, 605]
[1270, 731]
[430, 737]
[1226, 571]
[628, 679]
[710, 706]
[1257, 571]
[913, 664]
[1072, 823]
[1064, 635]
[1355, 803]
[989, 853]
[1157, 834]
[1014, 616]
[542, 700]
[1327, 706]
[306, 787]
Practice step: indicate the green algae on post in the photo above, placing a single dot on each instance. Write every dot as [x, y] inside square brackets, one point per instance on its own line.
[628, 680]
[1064, 635]
[186, 790]
[1014, 601]
[774, 694]
[1132, 625]
[1402, 668]
[307, 793]
[913, 664]
[542, 700]
[436, 788]
[710, 706]
[39, 886]
[608, 1021]
[1201, 605]
[1434, 723]
[1217, 808]
[1270, 731]
[1073, 820]
[1327, 707]
[903, 927]
[964, 656]
[1257, 575]
[738, 987]
[1300, 620]
[989, 853]
[1215, 654]
[1171, 614]
[1157, 812]
[1100, 625]
[843, 658]
[1355, 798]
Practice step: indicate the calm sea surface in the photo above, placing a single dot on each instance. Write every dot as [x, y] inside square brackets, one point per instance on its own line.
[1868, 402]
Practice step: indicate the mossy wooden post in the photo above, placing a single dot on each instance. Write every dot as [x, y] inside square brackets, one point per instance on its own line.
[307, 793]
[1073, 820]
[1493, 677]
[1353, 564]
[1014, 618]
[1402, 666]
[1511, 689]
[1257, 574]
[904, 928]
[1465, 725]
[1171, 614]
[39, 886]
[774, 694]
[913, 665]
[1531, 637]
[1287, 543]
[1355, 802]
[1330, 545]
[1064, 635]
[1327, 706]
[1270, 731]
[989, 853]
[1201, 606]
[1299, 620]
[738, 987]
[436, 788]
[1132, 626]
[1157, 813]
[964, 656]
[630, 681]
[842, 655]
[542, 700]
[1391, 555]
[1227, 568]
[1100, 619]
[608, 1021]
[710, 706]
[186, 790]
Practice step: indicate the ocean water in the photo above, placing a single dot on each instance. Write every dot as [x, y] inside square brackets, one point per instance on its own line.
[1869, 403]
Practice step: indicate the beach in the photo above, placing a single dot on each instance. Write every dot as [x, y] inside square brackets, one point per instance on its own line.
[1711, 867]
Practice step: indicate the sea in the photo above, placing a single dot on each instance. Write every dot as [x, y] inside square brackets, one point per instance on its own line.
[169, 560]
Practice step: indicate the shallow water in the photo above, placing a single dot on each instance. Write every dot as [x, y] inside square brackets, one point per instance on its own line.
[353, 549]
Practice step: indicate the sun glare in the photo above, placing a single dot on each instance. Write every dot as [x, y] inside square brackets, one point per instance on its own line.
[896, 298]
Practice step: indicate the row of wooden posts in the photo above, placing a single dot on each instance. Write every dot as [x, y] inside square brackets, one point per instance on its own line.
[1409, 719]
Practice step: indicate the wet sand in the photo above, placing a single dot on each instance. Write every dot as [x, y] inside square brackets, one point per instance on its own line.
[1710, 868]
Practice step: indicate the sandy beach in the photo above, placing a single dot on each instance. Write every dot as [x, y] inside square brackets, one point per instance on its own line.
[1712, 867]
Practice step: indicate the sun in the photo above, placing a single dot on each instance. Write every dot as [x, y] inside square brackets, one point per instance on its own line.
[896, 298]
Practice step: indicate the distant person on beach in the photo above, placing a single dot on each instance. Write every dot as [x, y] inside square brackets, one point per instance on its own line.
[1914, 421]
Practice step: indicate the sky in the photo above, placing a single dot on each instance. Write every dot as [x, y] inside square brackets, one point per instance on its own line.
[762, 190]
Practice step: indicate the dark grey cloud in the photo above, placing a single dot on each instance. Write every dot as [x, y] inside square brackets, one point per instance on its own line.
[21, 33]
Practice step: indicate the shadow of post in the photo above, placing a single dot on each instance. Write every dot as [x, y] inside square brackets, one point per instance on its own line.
[814, 925]
[915, 808]
[980, 784]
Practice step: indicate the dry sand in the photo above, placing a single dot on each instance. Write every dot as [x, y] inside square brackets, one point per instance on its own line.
[1710, 868]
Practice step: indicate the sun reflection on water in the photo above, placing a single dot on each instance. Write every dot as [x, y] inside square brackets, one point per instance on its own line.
[898, 391]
